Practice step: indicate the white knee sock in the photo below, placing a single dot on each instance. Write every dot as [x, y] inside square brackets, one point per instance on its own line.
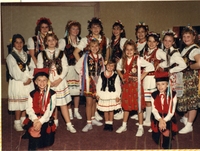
[148, 114]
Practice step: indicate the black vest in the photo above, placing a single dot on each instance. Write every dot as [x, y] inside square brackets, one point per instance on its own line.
[108, 82]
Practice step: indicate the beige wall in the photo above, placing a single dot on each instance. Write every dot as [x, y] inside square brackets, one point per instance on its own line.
[158, 15]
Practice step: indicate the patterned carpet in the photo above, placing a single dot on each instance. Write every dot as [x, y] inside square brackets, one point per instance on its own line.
[96, 139]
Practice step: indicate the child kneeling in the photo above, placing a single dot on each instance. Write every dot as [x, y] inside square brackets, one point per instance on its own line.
[163, 101]
[41, 103]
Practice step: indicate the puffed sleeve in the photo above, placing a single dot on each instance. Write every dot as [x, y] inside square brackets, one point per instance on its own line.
[171, 114]
[154, 110]
[14, 70]
[65, 67]
[122, 42]
[148, 66]
[79, 64]
[161, 55]
[119, 65]
[30, 43]
[181, 65]
[61, 44]
[83, 43]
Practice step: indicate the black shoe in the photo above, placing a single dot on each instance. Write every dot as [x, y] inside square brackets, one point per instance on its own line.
[106, 127]
[110, 127]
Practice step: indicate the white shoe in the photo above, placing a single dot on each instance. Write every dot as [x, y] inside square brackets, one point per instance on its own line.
[186, 130]
[119, 115]
[71, 128]
[96, 122]
[150, 130]
[87, 128]
[183, 120]
[135, 117]
[140, 132]
[121, 129]
[70, 114]
[97, 116]
[18, 126]
[144, 123]
[77, 115]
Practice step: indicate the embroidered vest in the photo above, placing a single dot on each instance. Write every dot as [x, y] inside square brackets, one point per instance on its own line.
[92, 67]
[169, 55]
[158, 104]
[108, 82]
[37, 105]
[20, 63]
[36, 52]
[116, 51]
[187, 59]
[48, 62]
[69, 50]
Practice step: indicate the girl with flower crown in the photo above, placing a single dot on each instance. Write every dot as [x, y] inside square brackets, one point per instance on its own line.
[71, 40]
[141, 31]
[117, 43]
[20, 66]
[95, 29]
[132, 97]
[157, 57]
[90, 66]
[174, 62]
[55, 60]
[189, 102]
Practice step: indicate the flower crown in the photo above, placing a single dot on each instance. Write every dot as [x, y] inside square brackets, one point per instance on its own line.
[142, 24]
[94, 18]
[190, 28]
[43, 19]
[169, 31]
[153, 33]
[71, 22]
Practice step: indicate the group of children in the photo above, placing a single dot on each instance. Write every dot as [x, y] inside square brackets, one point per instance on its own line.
[118, 75]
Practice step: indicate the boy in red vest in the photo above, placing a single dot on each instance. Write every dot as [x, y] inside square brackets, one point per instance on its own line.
[163, 108]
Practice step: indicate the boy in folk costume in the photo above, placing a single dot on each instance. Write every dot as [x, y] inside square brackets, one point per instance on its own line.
[163, 101]
[41, 103]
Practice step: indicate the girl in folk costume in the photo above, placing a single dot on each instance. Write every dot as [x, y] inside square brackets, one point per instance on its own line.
[189, 102]
[117, 44]
[71, 40]
[141, 31]
[20, 66]
[163, 108]
[109, 93]
[157, 57]
[95, 29]
[40, 106]
[36, 43]
[129, 70]
[55, 60]
[89, 66]
[174, 62]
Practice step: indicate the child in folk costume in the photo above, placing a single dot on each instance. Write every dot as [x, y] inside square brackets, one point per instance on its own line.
[95, 30]
[163, 101]
[55, 60]
[157, 57]
[141, 31]
[36, 43]
[41, 103]
[117, 43]
[174, 62]
[71, 40]
[189, 102]
[89, 66]
[109, 94]
[129, 70]
[20, 67]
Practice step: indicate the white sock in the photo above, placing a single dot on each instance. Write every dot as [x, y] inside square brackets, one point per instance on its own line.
[92, 117]
[68, 124]
[17, 121]
[75, 109]
[22, 119]
[110, 122]
[124, 124]
[140, 126]
[189, 124]
[89, 122]
[107, 122]
[148, 114]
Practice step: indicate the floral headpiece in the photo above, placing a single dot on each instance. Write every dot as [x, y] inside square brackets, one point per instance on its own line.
[169, 31]
[94, 18]
[142, 24]
[43, 19]
[119, 21]
[153, 33]
[71, 22]
[190, 28]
